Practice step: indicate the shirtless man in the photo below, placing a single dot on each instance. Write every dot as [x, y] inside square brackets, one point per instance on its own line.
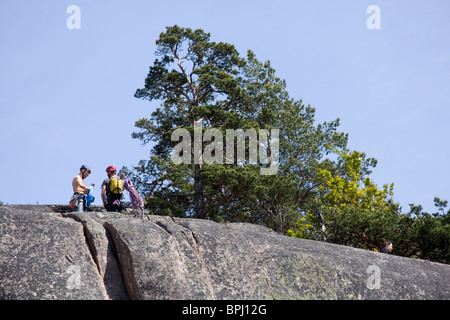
[80, 190]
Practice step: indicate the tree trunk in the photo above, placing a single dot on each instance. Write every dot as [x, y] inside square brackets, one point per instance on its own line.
[199, 200]
[323, 227]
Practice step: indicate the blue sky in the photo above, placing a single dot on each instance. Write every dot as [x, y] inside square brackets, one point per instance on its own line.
[67, 95]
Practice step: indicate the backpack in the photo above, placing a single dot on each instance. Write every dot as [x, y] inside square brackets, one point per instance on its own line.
[115, 189]
[116, 186]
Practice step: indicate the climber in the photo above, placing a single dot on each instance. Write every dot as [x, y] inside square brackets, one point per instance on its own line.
[112, 188]
[80, 190]
[387, 246]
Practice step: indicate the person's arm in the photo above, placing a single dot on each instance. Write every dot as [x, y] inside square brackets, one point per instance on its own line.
[103, 195]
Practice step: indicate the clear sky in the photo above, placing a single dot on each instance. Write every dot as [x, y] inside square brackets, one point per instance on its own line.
[67, 96]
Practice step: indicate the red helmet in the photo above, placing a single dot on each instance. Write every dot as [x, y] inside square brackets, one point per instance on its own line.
[111, 168]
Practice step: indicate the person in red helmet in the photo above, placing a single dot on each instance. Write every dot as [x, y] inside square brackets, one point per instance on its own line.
[112, 191]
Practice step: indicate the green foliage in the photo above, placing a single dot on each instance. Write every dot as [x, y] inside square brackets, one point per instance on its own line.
[200, 80]
[361, 228]
[362, 216]
[196, 80]
[423, 235]
[312, 196]
[349, 208]
[352, 189]
[303, 228]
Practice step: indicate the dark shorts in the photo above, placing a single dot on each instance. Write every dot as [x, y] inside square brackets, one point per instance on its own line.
[114, 208]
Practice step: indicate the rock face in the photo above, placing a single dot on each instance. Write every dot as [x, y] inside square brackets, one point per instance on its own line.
[102, 255]
[43, 256]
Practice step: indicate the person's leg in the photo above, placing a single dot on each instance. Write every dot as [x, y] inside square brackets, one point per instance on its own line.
[81, 203]
[111, 208]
